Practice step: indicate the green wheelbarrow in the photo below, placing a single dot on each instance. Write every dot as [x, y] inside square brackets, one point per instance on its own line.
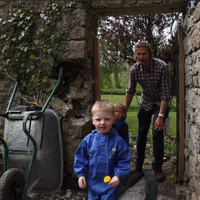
[32, 150]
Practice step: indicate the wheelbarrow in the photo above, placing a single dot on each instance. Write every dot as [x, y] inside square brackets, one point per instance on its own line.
[32, 150]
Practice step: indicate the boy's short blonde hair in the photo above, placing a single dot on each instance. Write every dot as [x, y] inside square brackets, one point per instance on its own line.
[120, 105]
[103, 105]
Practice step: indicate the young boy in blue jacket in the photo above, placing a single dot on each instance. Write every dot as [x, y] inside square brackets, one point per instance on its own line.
[102, 154]
[120, 125]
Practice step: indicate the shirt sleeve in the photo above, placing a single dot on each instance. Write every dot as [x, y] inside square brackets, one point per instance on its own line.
[123, 159]
[165, 84]
[81, 159]
[132, 83]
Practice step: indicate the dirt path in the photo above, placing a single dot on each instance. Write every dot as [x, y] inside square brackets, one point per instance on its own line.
[70, 190]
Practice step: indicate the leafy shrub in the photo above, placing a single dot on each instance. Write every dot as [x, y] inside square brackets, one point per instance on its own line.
[31, 43]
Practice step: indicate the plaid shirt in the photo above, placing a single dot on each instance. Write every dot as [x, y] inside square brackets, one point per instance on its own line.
[155, 82]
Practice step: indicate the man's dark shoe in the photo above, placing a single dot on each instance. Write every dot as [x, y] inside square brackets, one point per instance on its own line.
[160, 176]
[136, 168]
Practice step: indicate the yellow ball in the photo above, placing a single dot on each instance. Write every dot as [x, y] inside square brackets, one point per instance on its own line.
[107, 179]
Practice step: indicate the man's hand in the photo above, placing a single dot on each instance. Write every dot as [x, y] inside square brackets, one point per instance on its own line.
[159, 124]
[82, 182]
[114, 181]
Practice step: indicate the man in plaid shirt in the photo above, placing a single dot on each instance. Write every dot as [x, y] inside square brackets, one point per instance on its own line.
[154, 77]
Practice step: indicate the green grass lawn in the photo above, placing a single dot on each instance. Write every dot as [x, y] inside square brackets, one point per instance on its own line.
[132, 120]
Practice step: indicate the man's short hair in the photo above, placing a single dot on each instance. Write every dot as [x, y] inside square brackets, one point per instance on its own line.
[141, 44]
[120, 105]
[103, 105]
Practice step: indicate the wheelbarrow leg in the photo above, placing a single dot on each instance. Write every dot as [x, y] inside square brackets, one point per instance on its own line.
[33, 185]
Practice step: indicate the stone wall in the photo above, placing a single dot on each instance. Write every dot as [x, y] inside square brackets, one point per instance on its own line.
[191, 28]
[76, 95]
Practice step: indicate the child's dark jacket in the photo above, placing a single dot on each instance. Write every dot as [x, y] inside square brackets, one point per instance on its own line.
[122, 129]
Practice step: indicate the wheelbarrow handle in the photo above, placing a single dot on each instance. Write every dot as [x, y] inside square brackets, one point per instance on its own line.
[61, 73]
[25, 119]
[60, 76]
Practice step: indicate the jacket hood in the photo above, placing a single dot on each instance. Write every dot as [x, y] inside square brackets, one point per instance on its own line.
[113, 132]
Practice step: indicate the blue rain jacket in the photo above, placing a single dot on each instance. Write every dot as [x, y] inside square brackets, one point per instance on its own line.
[122, 129]
[102, 155]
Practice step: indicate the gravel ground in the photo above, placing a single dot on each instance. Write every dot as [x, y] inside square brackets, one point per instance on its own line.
[70, 190]
[136, 192]
[165, 190]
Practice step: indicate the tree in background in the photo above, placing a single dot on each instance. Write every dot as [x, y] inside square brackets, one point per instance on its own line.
[110, 64]
[118, 36]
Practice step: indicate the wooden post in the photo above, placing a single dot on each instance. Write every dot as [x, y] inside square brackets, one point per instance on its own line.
[97, 70]
[182, 106]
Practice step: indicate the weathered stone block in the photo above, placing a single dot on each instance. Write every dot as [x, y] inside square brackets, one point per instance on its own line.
[79, 80]
[84, 127]
[60, 106]
[195, 81]
[78, 33]
[79, 18]
[196, 14]
[195, 40]
[74, 52]
[187, 45]
[188, 63]
[190, 23]
[181, 193]
[188, 79]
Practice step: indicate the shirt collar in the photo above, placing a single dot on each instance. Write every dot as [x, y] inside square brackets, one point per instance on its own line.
[119, 123]
[111, 133]
[151, 67]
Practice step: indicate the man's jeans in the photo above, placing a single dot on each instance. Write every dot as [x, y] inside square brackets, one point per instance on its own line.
[144, 119]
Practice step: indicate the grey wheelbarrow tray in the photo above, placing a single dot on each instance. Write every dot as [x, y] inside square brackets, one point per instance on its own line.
[32, 144]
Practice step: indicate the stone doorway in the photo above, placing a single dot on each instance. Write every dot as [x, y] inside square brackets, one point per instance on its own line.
[133, 8]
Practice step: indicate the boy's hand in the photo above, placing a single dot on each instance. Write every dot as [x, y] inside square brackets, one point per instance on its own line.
[114, 181]
[82, 182]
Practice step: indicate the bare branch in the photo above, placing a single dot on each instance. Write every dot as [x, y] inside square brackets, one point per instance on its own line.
[4, 71]
[29, 102]
[7, 74]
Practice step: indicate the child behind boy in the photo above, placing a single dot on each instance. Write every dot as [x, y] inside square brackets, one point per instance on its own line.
[102, 154]
[120, 125]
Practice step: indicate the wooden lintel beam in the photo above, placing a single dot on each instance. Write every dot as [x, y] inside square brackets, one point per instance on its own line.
[178, 6]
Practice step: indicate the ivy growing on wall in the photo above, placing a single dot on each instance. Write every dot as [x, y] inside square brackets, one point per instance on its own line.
[31, 44]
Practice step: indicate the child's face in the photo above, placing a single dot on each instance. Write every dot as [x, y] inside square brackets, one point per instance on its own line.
[103, 121]
[119, 114]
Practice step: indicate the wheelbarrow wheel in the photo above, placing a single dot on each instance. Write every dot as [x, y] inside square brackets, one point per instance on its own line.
[10, 181]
